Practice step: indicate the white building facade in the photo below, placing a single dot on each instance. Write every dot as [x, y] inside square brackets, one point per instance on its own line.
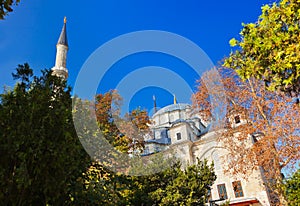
[176, 128]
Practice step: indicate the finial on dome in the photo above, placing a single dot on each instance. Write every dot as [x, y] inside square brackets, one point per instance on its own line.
[65, 19]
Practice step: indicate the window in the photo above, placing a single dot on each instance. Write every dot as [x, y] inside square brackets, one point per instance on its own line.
[237, 119]
[254, 138]
[178, 135]
[222, 191]
[237, 188]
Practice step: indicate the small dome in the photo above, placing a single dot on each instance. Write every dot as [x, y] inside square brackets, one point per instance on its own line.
[172, 107]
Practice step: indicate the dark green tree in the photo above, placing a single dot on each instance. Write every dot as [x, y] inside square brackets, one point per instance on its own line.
[41, 156]
[174, 185]
[6, 7]
[100, 186]
[293, 189]
[269, 49]
[185, 187]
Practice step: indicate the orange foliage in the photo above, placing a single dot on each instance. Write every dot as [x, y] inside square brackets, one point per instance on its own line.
[126, 134]
[269, 134]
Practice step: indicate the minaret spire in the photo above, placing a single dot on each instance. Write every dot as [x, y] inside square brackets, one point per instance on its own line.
[62, 47]
[154, 102]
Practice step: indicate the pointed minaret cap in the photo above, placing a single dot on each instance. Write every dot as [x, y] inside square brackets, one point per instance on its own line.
[63, 35]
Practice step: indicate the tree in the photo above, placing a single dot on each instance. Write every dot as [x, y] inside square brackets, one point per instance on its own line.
[293, 189]
[41, 156]
[262, 128]
[174, 185]
[139, 118]
[100, 186]
[124, 133]
[135, 125]
[185, 187]
[107, 108]
[102, 183]
[6, 6]
[269, 49]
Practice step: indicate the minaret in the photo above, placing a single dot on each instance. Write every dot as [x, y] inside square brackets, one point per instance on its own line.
[154, 101]
[60, 69]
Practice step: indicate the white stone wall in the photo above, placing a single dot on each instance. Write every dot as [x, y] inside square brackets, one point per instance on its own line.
[183, 152]
[252, 186]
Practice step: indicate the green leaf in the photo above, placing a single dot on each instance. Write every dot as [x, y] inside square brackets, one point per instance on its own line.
[233, 42]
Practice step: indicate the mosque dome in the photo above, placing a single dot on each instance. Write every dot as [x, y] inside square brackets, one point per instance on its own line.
[171, 108]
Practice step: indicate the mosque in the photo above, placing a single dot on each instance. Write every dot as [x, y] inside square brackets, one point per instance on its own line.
[178, 128]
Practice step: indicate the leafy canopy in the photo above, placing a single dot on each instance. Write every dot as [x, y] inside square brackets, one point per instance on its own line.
[174, 185]
[293, 189]
[269, 49]
[41, 156]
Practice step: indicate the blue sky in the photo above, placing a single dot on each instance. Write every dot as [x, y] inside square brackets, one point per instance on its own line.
[30, 33]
